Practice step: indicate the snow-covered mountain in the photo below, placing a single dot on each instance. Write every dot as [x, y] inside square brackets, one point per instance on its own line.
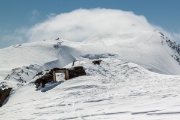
[150, 49]
[116, 88]
[137, 79]
[113, 90]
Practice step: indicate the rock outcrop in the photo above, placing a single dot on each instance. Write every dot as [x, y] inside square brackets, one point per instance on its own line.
[4, 94]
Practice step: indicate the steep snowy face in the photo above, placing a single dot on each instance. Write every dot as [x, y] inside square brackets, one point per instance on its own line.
[149, 49]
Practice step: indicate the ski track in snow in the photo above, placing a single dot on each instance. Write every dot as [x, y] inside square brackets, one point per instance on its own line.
[114, 90]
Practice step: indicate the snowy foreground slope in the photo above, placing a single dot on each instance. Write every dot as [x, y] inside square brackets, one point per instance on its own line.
[114, 90]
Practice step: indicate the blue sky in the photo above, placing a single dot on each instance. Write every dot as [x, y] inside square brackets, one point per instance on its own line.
[21, 14]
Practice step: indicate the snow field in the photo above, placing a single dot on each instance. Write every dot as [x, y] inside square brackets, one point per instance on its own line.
[114, 90]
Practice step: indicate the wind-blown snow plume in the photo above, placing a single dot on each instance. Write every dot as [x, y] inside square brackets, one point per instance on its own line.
[82, 24]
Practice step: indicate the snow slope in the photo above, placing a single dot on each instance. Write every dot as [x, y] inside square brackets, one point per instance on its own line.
[32, 58]
[118, 88]
[138, 78]
[146, 48]
[114, 90]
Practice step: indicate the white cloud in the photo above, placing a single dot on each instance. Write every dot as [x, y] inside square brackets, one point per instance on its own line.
[165, 32]
[176, 36]
[172, 35]
[82, 24]
[51, 15]
[34, 15]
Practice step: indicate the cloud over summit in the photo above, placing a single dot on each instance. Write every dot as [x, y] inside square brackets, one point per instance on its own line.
[82, 24]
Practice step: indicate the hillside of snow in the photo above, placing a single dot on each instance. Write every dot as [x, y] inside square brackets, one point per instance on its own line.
[137, 79]
[118, 88]
[114, 90]
[148, 49]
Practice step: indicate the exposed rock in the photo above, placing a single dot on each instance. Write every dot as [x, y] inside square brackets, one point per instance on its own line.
[96, 62]
[4, 94]
[43, 80]
[76, 71]
[175, 47]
